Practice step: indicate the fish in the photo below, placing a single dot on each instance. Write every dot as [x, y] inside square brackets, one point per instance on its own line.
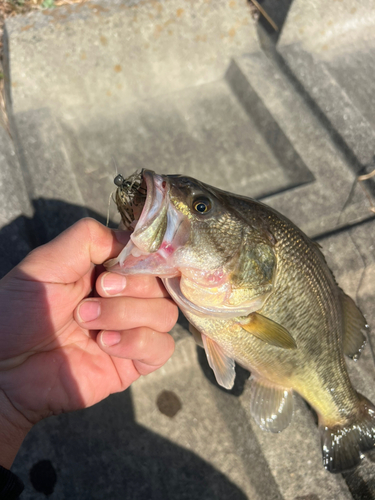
[258, 292]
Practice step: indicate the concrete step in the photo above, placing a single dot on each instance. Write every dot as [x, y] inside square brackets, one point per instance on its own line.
[334, 199]
[330, 51]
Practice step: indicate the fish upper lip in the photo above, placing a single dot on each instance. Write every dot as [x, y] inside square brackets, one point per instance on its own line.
[148, 177]
[154, 202]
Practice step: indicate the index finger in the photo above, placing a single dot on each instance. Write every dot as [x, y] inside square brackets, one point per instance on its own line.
[139, 286]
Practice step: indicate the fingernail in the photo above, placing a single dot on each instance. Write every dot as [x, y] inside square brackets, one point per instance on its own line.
[89, 310]
[113, 283]
[110, 338]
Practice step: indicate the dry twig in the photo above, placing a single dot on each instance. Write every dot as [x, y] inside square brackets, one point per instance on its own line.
[265, 15]
[362, 178]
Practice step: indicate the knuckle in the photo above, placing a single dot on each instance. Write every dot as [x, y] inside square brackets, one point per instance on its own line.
[170, 315]
[143, 339]
[92, 229]
[123, 312]
[143, 285]
[86, 225]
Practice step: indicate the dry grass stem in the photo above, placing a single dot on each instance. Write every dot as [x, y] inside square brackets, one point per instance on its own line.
[265, 15]
[366, 176]
[367, 194]
[4, 122]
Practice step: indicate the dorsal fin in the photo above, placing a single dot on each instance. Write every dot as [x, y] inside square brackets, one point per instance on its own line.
[355, 324]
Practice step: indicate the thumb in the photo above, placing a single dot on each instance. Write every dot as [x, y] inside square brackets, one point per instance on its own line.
[71, 255]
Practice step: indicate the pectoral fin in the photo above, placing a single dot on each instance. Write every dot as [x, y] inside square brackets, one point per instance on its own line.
[196, 335]
[271, 406]
[222, 365]
[354, 324]
[267, 330]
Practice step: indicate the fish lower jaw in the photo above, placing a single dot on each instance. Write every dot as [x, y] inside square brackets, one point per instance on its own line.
[137, 252]
[130, 250]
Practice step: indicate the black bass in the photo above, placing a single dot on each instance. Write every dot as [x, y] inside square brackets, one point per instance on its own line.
[255, 290]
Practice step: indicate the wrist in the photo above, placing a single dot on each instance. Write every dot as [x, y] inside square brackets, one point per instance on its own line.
[13, 430]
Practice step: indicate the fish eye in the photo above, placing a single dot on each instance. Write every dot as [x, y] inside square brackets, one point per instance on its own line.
[202, 205]
[118, 180]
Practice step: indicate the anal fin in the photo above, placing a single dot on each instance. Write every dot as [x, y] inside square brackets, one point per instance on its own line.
[222, 365]
[355, 324]
[271, 406]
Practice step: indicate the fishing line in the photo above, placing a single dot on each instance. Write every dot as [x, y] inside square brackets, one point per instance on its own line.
[357, 297]
[109, 205]
[113, 159]
[114, 162]
[359, 180]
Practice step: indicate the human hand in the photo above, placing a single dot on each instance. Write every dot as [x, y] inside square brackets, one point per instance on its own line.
[51, 360]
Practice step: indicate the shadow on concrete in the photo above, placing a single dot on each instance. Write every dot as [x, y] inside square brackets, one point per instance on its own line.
[99, 452]
[51, 217]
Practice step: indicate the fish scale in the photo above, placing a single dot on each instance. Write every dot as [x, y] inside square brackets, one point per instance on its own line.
[327, 357]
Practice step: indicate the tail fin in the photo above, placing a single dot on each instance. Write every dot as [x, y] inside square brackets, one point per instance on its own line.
[343, 447]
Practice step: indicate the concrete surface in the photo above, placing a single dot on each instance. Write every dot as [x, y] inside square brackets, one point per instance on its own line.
[194, 88]
[95, 54]
[330, 51]
[16, 241]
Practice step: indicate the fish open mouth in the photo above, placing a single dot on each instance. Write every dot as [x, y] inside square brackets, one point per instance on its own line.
[155, 201]
[142, 200]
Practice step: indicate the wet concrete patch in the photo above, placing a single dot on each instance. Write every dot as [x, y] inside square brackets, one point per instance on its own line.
[168, 403]
[43, 477]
